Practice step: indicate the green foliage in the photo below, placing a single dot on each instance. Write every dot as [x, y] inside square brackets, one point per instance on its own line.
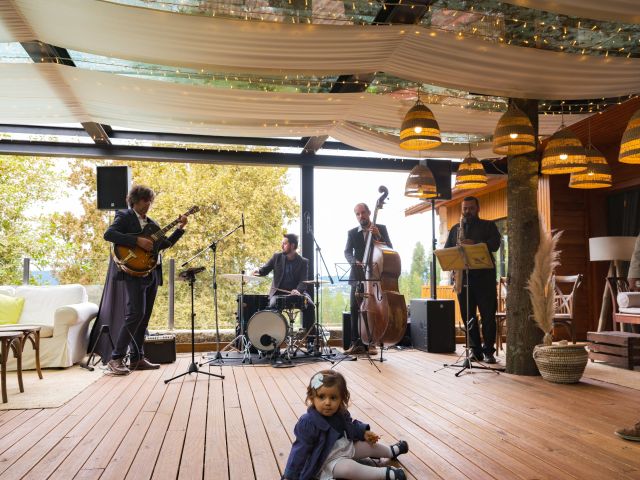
[419, 264]
[26, 183]
[223, 193]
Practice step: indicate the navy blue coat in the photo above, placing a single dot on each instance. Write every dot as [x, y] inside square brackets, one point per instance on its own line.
[276, 263]
[314, 440]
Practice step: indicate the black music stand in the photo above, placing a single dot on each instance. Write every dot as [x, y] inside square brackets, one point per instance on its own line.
[466, 258]
[189, 275]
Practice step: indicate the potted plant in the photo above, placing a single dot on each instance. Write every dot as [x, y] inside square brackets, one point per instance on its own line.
[562, 362]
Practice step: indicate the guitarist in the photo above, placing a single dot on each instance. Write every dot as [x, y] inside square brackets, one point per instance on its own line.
[140, 292]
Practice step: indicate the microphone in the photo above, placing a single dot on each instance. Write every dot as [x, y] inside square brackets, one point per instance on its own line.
[243, 232]
[465, 226]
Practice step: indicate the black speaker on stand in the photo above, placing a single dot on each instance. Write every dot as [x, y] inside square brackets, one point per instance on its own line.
[112, 186]
[433, 325]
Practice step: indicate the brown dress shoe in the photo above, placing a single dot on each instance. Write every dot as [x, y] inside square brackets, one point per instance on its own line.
[143, 364]
[355, 350]
[117, 366]
[372, 349]
[631, 433]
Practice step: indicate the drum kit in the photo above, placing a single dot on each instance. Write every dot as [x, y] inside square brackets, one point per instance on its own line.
[270, 330]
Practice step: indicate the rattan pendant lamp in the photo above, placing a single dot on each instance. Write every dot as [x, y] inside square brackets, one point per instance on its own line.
[630, 145]
[419, 130]
[471, 173]
[598, 172]
[564, 153]
[421, 183]
[514, 133]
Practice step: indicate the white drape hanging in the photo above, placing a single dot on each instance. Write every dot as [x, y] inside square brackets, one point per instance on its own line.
[410, 52]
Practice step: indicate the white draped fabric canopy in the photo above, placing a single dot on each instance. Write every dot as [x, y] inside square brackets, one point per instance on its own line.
[52, 93]
[407, 51]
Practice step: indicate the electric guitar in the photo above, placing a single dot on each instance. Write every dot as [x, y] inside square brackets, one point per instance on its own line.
[137, 261]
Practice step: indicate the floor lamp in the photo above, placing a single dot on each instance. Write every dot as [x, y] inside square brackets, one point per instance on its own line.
[614, 250]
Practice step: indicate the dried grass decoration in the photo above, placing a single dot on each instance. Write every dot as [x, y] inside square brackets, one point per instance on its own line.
[541, 285]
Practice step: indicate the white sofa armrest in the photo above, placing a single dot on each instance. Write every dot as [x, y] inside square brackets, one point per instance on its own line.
[70, 315]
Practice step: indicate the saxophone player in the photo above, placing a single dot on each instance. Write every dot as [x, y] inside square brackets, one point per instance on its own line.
[481, 283]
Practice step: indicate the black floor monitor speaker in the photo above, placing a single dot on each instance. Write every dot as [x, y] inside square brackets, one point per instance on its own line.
[112, 187]
[160, 348]
[433, 325]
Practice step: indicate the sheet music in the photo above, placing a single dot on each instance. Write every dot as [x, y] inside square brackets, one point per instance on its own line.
[474, 257]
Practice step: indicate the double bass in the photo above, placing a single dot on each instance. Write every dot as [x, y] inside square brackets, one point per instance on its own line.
[383, 310]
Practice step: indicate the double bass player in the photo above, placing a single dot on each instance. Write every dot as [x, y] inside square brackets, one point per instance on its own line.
[354, 253]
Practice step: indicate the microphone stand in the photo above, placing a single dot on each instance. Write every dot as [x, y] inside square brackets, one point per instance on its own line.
[214, 248]
[319, 330]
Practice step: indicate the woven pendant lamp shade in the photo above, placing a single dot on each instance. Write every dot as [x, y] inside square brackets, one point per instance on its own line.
[420, 130]
[471, 174]
[564, 154]
[420, 183]
[514, 133]
[597, 174]
[630, 145]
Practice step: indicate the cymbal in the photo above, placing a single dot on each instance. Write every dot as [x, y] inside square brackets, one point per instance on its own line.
[239, 276]
[315, 282]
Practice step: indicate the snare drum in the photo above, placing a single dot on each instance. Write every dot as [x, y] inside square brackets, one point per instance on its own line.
[265, 326]
[291, 302]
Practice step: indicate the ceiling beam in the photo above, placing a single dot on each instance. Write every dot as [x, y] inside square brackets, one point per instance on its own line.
[186, 155]
[407, 12]
[41, 52]
[161, 137]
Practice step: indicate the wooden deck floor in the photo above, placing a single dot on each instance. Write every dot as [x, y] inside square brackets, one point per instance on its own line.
[478, 426]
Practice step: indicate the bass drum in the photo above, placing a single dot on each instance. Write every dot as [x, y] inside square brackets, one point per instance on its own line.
[265, 326]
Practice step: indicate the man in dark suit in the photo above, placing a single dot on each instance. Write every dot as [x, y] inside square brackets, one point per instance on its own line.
[482, 283]
[140, 292]
[290, 270]
[354, 253]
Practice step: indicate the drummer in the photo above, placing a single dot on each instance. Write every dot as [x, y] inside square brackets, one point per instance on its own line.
[290, 270]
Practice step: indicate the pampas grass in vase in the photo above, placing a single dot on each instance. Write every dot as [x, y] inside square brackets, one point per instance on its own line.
[541, 285]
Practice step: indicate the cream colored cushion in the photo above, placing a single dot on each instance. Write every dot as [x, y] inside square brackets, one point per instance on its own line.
[41, 302]
[629, 299]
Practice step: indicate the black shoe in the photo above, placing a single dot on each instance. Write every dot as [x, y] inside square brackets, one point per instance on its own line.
[399, 448]
[490, 358]
[398, 474]
[476, 357]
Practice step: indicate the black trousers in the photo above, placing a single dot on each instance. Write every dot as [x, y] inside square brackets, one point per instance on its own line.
[141, 294]
[482, 297]
[355, 314]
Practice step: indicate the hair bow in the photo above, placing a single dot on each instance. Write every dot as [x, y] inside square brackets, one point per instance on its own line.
[316, 381]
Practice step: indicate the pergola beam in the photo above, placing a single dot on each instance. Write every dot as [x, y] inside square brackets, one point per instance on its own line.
[41, 52]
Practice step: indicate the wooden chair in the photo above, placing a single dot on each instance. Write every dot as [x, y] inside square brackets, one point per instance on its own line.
[501, 313]
[566, 287]
[617, 285]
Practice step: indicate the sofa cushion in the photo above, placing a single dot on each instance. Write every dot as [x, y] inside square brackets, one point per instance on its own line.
[628, 299]
[10, 309]
[6, 290]
[41, 302]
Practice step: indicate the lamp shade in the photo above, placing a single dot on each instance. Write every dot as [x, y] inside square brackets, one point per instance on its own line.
[564, 154]
[420, 130]
[471, 174]
[611, 248]
[421, 183]
[514, 133]
[597, 174]
[630, 145]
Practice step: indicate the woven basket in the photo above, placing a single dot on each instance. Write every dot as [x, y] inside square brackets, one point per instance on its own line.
[561, 363]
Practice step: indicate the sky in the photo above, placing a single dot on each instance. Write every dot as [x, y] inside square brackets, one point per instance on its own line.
[336, 194]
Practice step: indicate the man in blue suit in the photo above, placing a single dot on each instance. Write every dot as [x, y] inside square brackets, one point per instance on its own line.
[140, 291]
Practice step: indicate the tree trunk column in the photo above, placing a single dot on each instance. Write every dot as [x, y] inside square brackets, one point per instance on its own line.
[523, 233]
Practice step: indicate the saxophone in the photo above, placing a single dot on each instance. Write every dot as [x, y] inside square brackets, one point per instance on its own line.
[457, 274]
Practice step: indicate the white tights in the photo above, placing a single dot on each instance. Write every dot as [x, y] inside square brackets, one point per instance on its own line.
[349, 468]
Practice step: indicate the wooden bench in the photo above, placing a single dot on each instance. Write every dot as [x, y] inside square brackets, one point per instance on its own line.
[618, 348]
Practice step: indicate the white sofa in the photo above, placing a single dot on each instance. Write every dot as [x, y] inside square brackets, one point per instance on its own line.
[64, 314]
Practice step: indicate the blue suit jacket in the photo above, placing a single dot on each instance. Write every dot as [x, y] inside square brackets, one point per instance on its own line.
[314, 440]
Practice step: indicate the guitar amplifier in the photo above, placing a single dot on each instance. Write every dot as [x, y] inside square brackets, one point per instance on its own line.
[160, 348]
[433, 325]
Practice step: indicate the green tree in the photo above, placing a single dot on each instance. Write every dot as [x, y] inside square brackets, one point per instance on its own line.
[419, 261]
[26, 184]
[223, 193]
